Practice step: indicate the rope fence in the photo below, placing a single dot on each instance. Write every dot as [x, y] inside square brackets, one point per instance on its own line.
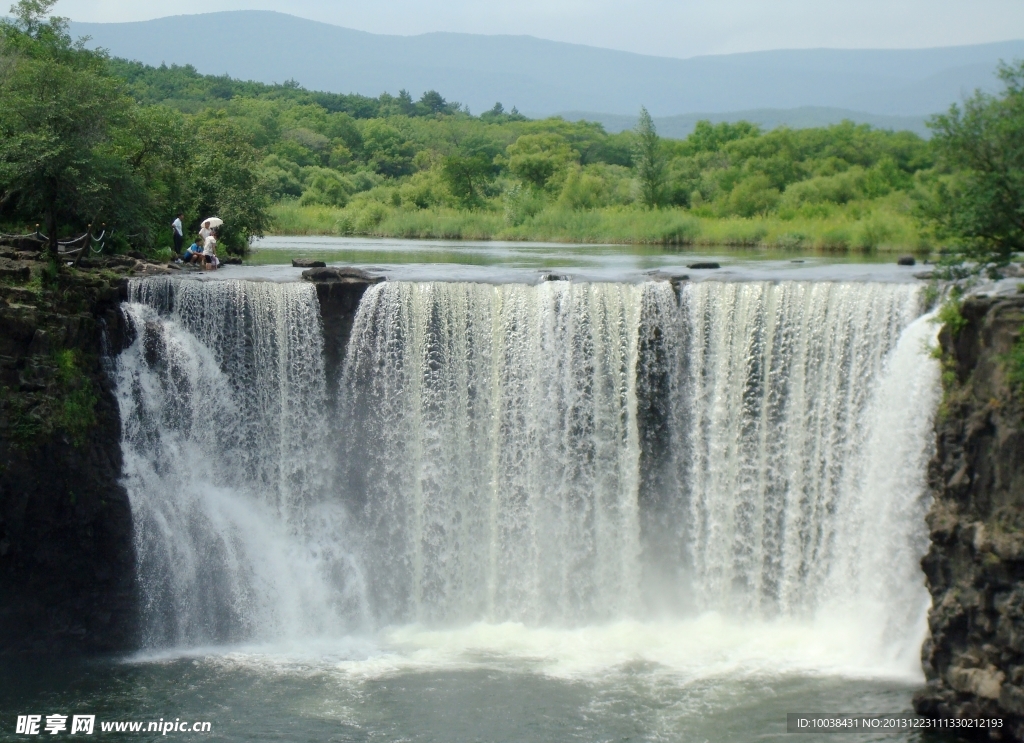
[65, 247]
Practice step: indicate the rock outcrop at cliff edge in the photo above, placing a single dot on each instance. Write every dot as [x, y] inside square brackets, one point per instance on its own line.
[67, 562]
[974, 656]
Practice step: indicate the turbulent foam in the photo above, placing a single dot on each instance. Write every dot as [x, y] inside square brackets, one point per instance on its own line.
[708, 646]
[567, 477]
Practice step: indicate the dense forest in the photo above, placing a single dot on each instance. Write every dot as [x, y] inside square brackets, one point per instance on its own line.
[350, 164]
[129, 144]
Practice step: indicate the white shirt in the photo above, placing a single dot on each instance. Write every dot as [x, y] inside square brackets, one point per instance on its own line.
[176, 224]
[205, 232]
[210, 245]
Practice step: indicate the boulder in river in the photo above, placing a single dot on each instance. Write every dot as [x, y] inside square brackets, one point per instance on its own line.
[307, 263]
[340, 274]
[704, 265]
[905, 260]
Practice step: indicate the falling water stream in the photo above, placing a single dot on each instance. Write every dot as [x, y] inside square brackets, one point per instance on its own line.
[599, 510]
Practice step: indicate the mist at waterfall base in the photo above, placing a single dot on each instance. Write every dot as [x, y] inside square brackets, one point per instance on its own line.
[559, 512]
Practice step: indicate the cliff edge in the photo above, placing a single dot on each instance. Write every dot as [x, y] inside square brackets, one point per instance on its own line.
[974, 656]
[67, 562]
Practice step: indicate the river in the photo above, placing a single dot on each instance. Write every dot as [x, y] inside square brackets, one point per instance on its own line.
[596, 508]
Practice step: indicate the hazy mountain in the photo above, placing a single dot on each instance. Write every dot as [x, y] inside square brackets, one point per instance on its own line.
[545, 77]
[796, 118]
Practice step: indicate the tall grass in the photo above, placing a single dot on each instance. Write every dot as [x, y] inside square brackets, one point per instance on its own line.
[867, 227]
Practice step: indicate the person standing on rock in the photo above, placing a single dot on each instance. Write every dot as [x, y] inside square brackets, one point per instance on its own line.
[178, 233]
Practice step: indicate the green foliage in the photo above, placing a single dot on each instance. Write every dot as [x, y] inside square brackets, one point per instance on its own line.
[1014, 363]
[76, 149]
[75, 412]
[978, 203]
[465, 176]
[349, 164]
[68, 407]
[649, 161]
[541, 160]
[58, 115]
[753, 196]
[950, 316]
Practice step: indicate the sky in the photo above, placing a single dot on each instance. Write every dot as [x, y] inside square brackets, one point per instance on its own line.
[672, 28]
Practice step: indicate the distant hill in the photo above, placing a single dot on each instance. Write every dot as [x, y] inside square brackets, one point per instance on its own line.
[806, 117]
[545, 77]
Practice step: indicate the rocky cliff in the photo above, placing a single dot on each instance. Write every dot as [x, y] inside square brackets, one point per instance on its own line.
[66, 553]
[974, 657]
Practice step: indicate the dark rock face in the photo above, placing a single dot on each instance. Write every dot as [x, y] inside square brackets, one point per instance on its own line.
[339, 291]
[307, 263]
[906, 260]
[706, 265]
[974, 657]
[67, 561]
[343, 274]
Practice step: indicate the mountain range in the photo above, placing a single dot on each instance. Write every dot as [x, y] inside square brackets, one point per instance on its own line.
[890, 87]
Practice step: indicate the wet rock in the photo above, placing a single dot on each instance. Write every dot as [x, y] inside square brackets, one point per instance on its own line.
[338, 290]
[66, 541]
[307, 263]
[704, 265]
[983, 682]
[974, 656]
[553, 277]
[340, 274]
[16, 271]
[906, 260]
[1011, 698]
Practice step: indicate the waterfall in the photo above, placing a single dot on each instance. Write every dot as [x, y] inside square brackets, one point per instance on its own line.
[224, 433]
[557, 455]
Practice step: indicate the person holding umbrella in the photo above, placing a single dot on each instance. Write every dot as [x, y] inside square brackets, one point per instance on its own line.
[212, 227]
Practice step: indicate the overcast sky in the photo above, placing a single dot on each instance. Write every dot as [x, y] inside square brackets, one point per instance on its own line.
[676, 28]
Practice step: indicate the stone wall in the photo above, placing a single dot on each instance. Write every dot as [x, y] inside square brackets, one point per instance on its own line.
[974, 657]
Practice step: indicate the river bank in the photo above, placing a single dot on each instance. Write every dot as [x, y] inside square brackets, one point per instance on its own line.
[884, 225]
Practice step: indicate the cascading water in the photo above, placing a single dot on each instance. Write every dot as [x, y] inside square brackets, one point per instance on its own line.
[559, 455]
[222, 399]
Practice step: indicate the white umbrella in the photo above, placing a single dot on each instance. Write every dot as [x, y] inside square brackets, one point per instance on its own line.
[214, 222]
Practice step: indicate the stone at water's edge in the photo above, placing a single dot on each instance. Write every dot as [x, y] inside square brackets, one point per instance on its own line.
[345, 274]
[307, 263]
[67, 561]
[974, 656]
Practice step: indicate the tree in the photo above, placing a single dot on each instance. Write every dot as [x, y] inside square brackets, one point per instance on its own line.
[433, 102]
[75, 149]
[464, 176]
[541, 160]
[649, 161]
[979, 205]
[58, 114]
[387, 150]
